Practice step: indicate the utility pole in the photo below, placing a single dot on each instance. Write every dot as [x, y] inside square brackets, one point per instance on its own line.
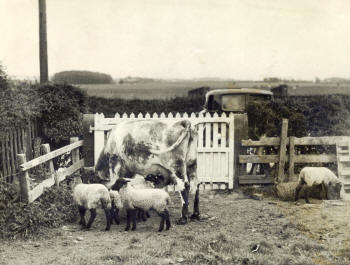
[44, 71]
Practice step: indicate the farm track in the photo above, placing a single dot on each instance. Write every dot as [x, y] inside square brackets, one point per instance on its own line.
[234, 230]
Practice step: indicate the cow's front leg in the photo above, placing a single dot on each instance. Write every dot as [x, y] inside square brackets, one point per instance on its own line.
[184, 200]
[196, 214]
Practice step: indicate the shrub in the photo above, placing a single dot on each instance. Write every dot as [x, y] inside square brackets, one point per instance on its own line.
[51, 209]
[61, 113]
[19, 103]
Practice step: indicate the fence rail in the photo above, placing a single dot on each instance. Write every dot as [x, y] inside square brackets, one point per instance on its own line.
[341, 157]
[16, 141]
[55, 177]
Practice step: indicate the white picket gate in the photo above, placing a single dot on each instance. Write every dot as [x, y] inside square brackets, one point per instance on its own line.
[215, 156]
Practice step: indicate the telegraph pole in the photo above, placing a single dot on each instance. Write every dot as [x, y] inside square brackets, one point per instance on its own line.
[44, 71]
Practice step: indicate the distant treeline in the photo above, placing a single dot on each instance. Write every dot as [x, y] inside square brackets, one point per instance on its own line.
[82, 77]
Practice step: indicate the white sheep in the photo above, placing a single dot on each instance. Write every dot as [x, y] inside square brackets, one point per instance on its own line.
[313, 176]
[145, 199]
[93, 196]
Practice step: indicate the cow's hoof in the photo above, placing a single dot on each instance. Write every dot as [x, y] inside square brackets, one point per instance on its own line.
[127, 228]
[107, 229]
[182, 221]
[133, 229]
[196, 216]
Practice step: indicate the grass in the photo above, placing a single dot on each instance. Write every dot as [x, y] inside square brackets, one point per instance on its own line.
[244, 231]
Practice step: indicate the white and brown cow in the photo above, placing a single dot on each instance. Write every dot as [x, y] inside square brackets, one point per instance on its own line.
[164, 150]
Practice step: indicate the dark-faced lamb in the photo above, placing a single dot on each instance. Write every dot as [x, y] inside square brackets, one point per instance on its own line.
[144, 199]
[93, 196]
[313, 176]
[116, 206]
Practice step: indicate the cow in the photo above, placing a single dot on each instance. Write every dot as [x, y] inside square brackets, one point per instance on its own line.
[163, 151]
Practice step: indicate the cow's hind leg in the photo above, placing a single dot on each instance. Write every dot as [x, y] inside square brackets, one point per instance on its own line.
[184, 212]
[196, 214]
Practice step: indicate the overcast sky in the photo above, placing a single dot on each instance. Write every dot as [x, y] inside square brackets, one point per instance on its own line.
[240, 39]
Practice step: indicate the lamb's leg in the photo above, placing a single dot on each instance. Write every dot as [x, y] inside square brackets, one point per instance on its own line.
[82, 211]
[108, 218]
[133, 217]
[92, 218]
[307, 193]
[298, 188]
[161, 225]
[326, 190]
[115, 216]
[196, 214]
[147, 214]
[128, 216]
[167, 219]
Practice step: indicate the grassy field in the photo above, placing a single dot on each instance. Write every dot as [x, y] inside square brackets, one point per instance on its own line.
[166, 90]
[235, 229]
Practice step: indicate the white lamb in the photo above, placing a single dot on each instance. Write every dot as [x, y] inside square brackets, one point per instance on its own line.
[313, 176]
[92, 196]
[145, 199]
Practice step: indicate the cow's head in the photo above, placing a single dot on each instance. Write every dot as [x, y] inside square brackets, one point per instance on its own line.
[121, 182]
[334, 190]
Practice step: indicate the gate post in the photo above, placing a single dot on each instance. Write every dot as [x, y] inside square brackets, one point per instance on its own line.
[99, 137]
[240, 132]
[88, 136]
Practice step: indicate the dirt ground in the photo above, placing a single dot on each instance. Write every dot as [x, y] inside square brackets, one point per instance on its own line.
[235, 229]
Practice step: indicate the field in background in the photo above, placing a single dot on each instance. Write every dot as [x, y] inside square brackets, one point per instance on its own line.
[167, 90]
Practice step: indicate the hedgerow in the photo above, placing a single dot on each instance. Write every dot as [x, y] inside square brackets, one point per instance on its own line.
[52, 209]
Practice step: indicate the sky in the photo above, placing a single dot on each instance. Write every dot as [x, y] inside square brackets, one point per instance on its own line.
[236, 39]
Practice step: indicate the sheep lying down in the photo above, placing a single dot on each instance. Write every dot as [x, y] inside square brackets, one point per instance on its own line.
[93, 196]
[313, 176]
[143, 199]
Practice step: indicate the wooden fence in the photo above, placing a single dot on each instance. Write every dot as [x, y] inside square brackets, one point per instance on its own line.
[288, 155]
[55, 177]
[16, 141]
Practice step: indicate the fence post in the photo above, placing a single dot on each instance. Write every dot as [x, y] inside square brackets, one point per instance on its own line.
[23, 179]
[75, 156]
[283, 149]
[291, 158]
[49, 164]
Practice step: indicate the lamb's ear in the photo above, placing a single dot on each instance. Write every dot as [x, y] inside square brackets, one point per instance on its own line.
[127, 180]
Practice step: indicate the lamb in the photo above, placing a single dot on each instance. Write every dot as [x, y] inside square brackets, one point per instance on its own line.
[116, 206]
[145, 199]
[313, 176]
[92, 196]
[139, 182]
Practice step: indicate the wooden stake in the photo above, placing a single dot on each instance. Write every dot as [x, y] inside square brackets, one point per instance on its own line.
[23, 179]
[283, 149]
[291, 158]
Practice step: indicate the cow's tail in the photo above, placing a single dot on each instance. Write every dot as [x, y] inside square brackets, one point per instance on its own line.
[176, 144]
